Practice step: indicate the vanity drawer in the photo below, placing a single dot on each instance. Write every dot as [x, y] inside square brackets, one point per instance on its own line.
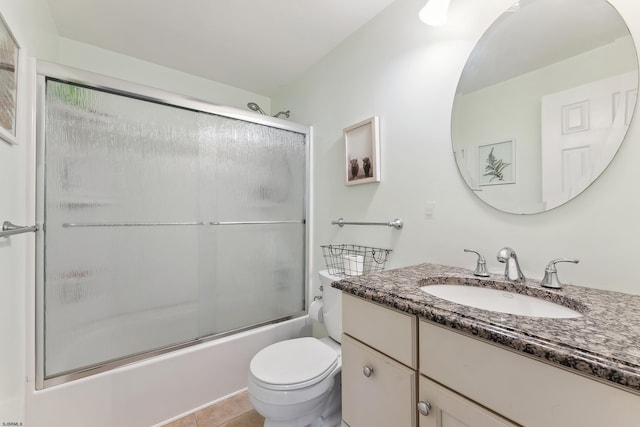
[377, 391]
[388, 331]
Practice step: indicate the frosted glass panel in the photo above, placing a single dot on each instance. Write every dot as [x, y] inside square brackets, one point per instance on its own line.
[258, 276]
[132, 260]
[258, 170]
[258, 174]
[113, 158]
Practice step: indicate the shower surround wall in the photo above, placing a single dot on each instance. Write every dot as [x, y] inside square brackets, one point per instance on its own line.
[164, 226]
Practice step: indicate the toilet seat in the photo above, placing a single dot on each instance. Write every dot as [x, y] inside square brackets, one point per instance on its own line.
[293, 364]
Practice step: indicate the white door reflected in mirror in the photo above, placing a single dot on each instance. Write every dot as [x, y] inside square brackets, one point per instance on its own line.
[578, 143]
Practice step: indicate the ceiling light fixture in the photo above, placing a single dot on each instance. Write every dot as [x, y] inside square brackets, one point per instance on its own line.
[434, 13]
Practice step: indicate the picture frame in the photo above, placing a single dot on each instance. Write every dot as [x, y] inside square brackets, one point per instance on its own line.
[362, 152]
[497, 163]
[9, 54]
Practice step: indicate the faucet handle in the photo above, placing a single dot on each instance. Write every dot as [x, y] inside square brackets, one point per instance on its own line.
[481, 265]
[550, 279]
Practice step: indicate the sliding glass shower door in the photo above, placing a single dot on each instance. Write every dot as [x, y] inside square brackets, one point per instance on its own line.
[163, 225]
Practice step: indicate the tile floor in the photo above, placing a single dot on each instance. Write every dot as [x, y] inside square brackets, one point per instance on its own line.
[235, 411]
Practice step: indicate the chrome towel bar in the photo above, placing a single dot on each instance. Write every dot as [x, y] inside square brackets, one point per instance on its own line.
[9, 229]
[396, 223]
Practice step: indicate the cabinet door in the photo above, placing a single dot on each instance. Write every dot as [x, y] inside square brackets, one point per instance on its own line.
[376, 391]
[449, 409]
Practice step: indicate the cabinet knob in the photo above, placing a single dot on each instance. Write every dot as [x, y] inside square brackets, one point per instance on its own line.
[367, 371]
[424, 408]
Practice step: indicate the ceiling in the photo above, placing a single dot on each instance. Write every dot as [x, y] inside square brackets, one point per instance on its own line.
[256, 45]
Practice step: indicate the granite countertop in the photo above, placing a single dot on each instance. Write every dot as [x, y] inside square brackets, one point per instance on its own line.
[603, 344]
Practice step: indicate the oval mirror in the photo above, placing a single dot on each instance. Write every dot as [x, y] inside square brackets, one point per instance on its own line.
[544, 102]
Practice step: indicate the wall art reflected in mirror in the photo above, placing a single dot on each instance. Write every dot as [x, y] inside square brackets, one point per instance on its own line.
[561, 80]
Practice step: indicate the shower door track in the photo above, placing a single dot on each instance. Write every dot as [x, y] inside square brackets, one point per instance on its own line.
[77, 374]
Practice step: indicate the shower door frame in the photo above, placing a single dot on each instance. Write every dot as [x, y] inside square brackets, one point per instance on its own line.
[45, 70]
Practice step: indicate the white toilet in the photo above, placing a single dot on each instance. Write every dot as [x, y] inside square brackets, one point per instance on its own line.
[296, 382]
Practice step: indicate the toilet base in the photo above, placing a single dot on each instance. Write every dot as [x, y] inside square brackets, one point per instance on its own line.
[331, 415]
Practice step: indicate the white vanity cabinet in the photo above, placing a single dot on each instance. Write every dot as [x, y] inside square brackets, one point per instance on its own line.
[379, 363]
[393, 365]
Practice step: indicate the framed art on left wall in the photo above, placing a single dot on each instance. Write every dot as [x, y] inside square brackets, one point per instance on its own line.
[9, 51]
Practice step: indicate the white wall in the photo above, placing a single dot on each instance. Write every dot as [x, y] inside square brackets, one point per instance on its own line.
[14, 190]
[406, 73]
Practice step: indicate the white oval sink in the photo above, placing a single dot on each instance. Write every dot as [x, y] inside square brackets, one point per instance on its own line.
[500, 301]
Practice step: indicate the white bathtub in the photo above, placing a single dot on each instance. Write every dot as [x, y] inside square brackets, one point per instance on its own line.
[160, 389]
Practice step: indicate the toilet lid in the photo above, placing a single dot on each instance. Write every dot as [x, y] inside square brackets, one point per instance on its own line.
[300, 361]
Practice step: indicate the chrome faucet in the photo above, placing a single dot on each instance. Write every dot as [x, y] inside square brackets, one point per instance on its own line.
[512, 268]
[550, 279]
[481, 265]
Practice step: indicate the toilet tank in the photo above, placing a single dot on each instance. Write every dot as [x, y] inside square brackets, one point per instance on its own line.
[331, 305]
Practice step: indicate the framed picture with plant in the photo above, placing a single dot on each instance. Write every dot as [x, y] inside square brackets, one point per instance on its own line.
[497, 163]
[8, 83]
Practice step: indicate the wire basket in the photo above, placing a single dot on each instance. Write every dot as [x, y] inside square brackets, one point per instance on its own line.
[354, 260]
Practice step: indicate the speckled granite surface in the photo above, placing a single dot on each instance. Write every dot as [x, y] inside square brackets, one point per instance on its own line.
[604, 343]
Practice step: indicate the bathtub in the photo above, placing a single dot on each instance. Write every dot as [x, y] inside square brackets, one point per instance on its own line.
[160, 389]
